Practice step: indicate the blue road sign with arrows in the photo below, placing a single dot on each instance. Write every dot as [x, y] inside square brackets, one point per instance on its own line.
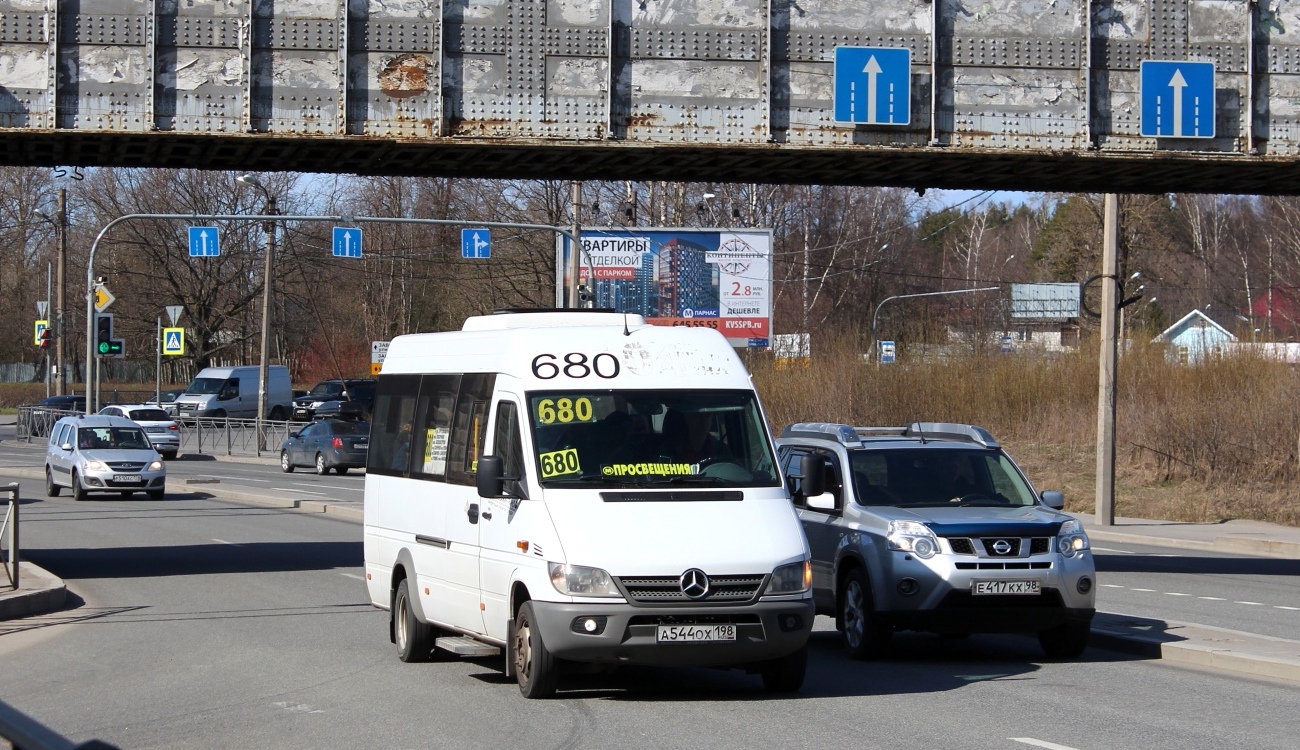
[475, 243]
[204, 242]
[873, 85]
[347, 242]
[1177, 99]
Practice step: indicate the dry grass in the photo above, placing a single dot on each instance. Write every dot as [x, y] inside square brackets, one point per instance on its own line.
[1199, 443]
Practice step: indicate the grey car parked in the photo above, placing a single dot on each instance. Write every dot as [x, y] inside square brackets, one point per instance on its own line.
[933, 527]
[325, 444]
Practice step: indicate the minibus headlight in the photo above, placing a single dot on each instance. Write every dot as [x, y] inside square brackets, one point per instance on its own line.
[794, 578]
[1071, 539]
[578, 580]
[914, 537]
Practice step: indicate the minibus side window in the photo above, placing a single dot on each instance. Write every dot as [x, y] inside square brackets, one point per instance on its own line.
[390, 430]
[507, 444]
[470, 428]
[432, 431]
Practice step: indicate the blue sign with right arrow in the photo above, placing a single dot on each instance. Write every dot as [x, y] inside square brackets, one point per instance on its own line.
[873, 85]
[1177, 99]
[476, 243]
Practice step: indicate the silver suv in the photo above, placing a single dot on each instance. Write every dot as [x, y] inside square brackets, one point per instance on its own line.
[102, 454]
[933, 527]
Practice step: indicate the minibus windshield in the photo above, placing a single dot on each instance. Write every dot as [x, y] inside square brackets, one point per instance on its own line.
[649, 438]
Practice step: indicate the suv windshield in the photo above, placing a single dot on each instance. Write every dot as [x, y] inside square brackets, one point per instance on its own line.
[621, 438]
[121, 438]
[937, 476]
[327, 390]
[205, 385]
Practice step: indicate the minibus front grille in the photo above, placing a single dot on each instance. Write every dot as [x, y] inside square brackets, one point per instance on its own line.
[668, 589]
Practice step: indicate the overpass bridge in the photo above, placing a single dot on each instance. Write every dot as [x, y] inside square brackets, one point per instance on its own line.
[993, 94]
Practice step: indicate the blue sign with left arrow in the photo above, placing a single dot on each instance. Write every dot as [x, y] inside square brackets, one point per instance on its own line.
[347, 242]
[1177, 99]
[204, 241]
[873, 85]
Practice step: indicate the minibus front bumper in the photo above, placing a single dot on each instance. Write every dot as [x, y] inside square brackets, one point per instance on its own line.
[624, 634]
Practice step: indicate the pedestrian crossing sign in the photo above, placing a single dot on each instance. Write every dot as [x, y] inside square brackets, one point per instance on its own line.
[173, 341]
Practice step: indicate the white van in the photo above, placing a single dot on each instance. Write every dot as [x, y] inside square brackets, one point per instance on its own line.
[232, 392]
[579, 486]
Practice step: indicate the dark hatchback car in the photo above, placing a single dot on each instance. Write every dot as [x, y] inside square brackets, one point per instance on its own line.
[327, 444]
[361, 391]
[38, 418]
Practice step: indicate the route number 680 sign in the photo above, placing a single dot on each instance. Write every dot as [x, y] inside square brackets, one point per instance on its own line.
[575, 365]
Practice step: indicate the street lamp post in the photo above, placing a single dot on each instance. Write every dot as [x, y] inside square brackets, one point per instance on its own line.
[268, 227]
[875, 343]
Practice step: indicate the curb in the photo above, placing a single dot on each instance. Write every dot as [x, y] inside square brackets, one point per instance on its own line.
[1198, 646]
[47, 595]
[1258, 547]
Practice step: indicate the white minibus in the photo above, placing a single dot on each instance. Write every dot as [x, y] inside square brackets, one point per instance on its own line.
[580, 487]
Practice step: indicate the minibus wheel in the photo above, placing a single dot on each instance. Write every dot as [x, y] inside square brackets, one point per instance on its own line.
[535, 666]
[414, 638]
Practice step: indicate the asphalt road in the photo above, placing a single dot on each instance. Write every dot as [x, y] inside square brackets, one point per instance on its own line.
[208, 624]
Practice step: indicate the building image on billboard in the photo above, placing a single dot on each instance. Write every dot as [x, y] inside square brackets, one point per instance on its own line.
[720, 278]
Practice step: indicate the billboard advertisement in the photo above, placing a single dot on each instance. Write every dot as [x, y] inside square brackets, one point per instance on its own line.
[719, 278]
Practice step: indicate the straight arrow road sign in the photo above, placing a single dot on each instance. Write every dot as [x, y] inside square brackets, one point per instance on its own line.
[347, 242]
[204, 242]
[873, 85]
[1177, 99]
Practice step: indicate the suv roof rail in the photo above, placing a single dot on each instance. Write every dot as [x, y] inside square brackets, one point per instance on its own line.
[848, 435]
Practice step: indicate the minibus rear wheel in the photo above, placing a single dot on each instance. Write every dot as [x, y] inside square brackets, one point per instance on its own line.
[535, 666]
[414, 638]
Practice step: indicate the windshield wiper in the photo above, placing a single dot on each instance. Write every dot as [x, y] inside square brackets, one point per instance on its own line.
[699, 479]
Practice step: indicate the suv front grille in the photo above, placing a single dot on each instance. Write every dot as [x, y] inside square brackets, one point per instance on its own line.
[125, 465]
[1014, 551]
[1040, 545]
[962, 546]
[668, 589]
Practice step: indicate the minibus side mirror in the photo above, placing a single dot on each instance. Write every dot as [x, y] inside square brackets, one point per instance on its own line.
[488, 478]
[812, 468]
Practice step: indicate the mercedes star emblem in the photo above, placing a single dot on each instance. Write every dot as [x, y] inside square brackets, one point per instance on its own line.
[695, 585]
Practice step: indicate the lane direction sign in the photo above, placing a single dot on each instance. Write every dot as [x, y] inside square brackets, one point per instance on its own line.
[204, 242]
[347, 242]
[173, 341]
[1177, 99]
[475, 243]
[873, 85]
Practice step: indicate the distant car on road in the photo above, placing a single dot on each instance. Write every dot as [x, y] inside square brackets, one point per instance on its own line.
[326, 444]
[100, 453]
[167, 400]
[39, 417]
[360, 391]
[164, 434]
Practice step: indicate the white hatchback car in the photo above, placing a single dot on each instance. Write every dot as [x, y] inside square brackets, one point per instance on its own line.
[102, 454]
[164, 434]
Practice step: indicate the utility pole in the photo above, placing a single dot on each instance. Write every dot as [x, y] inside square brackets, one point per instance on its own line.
[1106, 380]
[60, 323]
[575, 249]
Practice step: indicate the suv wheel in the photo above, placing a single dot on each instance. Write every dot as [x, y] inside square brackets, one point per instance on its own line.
[78, 492]
[51, 489]
[864, 635]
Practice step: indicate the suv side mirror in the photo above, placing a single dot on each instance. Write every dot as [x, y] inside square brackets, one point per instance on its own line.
[812, 467]
[488, 478]
[1053, 499]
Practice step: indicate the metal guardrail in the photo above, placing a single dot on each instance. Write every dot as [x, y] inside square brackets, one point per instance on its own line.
[9, 533]
[25, 733]
[202, 435]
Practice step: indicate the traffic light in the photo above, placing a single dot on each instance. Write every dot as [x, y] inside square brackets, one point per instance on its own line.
[46, 338]
[104, 334]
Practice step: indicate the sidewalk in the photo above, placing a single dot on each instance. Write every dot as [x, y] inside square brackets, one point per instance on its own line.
[1180, 643]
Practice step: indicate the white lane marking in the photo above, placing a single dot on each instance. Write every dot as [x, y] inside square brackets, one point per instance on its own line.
[1253, 604]
[306, 492]
[1175, 593]
[232, 544]
[1293, 609]
[1111, 586]
[1095, 548]
[1041, 743]
[353, 575]
[228, 478]
[1149, 591]
[1212, 598]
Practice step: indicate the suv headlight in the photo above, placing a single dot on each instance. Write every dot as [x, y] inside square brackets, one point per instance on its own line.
[794, 578]
[1071, 539]
[914, 537]
[96, 466]
[577, 580]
